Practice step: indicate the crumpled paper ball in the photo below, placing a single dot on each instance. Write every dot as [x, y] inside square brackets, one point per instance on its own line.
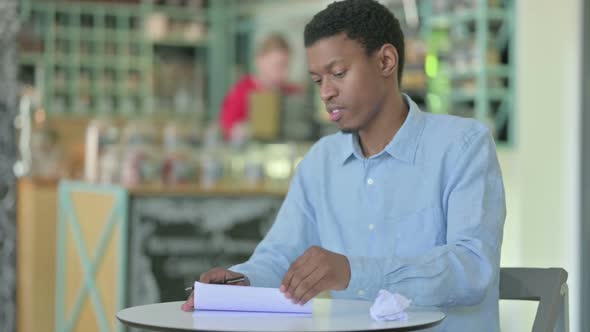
[388, 306]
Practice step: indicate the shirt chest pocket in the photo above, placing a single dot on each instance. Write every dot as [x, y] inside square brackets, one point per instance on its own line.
[417, 232]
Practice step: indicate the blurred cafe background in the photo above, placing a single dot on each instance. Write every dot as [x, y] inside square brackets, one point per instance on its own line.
[120, 183]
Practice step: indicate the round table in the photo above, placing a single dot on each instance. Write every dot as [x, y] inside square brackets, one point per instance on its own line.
[328, 316]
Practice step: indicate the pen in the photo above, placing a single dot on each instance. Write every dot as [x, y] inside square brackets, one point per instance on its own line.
[224, 282]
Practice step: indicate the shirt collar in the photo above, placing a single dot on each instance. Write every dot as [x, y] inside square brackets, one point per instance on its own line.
[404, 144]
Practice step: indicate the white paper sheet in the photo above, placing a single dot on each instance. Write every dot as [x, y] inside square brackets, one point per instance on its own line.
[244, 298]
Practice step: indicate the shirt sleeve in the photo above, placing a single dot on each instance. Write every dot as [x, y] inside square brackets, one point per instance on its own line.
[460, 272]
[292, 233]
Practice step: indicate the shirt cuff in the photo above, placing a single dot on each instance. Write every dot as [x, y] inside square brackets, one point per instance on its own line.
[243, 269]
[366, 279]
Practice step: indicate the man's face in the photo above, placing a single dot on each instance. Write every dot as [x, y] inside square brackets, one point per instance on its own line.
[349, 80]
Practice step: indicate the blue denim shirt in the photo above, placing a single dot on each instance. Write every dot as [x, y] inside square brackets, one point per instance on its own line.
[424, 218]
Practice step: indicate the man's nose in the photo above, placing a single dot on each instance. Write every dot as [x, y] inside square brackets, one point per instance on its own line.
[327, 90]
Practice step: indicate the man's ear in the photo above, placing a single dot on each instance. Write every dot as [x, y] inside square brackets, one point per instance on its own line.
[388, 60]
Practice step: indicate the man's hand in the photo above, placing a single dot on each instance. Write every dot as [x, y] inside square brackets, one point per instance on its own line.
[315, 271]
[212, 276]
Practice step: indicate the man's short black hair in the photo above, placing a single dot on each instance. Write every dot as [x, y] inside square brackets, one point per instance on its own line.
[365, 21]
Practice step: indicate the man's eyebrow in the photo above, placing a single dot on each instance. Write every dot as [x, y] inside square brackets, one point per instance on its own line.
[329, 65]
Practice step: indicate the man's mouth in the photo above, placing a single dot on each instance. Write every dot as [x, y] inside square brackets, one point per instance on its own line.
[335, 113]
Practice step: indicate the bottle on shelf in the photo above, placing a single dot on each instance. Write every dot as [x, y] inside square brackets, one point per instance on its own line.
[102, 137]
[212, 158]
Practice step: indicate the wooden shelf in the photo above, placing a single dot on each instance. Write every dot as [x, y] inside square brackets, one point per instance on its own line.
[224, 189]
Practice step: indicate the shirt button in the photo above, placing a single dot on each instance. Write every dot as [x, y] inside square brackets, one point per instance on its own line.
[361, 292]
[370, 181]
[371, 227]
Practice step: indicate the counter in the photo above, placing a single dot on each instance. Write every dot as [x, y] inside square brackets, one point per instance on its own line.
[102, 248]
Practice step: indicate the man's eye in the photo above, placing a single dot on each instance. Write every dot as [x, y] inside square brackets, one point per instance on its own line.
[339, 74]
[317, 82]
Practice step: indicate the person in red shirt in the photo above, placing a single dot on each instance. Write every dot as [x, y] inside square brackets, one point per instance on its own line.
[272, 68]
